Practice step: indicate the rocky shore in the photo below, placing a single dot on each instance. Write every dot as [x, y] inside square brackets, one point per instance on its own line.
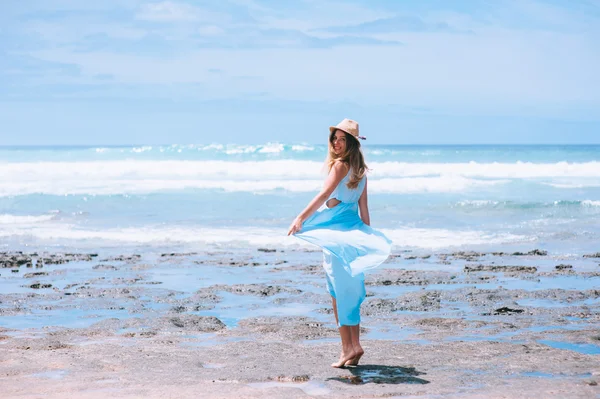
[258, 323]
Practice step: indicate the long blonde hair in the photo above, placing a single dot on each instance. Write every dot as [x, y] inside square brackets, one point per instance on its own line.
[352, 156]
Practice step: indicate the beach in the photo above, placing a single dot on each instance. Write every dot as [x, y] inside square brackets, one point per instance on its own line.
[459, 324]
[165, 271]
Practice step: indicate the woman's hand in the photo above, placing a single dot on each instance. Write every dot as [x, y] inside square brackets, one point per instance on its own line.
[295, 227]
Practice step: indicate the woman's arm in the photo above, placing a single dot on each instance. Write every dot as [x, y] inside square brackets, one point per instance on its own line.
[336, 174]
[363, 206]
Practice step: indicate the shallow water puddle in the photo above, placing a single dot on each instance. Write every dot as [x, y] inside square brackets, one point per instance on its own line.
[309, 387]
[379, 374]
[392, 332]
[233, 307]
[53, 375]
[588, 349]
[212, 366]
[578, 283]
[540, 374]
[501, 337]
[191, 278]
[73, 318]
[548, 303]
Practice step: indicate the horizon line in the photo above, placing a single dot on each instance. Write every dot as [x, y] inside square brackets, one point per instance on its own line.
[277, 142]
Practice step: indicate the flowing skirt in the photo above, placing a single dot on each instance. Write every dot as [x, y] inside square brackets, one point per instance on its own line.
[350, 248]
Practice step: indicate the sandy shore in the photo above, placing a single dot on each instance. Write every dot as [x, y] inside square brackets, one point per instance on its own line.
[259, 324]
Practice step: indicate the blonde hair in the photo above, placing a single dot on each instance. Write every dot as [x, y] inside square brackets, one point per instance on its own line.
[352, 156]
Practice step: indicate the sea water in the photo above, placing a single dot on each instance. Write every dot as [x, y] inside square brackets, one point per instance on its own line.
[202, 197]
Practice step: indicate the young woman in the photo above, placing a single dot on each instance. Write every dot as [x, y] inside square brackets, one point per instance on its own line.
[350, 246]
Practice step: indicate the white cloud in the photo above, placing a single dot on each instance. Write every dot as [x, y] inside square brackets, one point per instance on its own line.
[168, 11]
[317, 15]
[74, 31]
[210, 30]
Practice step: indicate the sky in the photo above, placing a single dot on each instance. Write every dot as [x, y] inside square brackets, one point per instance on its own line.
[76, 72]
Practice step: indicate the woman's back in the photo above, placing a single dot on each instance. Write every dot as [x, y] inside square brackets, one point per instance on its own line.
[345, 194]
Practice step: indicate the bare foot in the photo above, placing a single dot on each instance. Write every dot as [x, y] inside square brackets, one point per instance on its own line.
[345, 356]
[358, 352]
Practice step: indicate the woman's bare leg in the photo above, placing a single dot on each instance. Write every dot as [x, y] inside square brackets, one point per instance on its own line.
[345, 334]
[347, 348]
[354, 338]
[358, 350]
[334, 304]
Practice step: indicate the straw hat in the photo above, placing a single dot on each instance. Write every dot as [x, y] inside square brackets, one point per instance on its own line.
[349, 126]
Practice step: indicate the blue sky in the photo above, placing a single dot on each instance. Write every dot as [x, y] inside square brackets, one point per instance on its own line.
[253, 71]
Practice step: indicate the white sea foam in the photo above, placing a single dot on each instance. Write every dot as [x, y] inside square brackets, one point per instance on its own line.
[443, 238]
[573, 185]
[301, 148]
[289, 169]
[146, 186]
[139, 176]
[590, 203]
[255, 237]
[272, 148]
[141, 149]
[212, 147]
[520, 170]
[232, 150]
[7, 219]
[477, 203]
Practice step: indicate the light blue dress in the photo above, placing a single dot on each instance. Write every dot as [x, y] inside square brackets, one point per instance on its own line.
[350, 247]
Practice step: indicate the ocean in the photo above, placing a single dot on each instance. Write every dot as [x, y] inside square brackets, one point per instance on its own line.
[152, 198]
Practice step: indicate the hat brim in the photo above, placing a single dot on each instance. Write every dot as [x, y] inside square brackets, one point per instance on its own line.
[334, 128]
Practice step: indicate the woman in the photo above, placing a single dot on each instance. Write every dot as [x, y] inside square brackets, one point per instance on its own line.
[350, 246]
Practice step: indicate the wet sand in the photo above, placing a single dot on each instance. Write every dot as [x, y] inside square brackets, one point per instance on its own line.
[258, 323]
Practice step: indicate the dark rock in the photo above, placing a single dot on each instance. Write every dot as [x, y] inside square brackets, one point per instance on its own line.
[198, 323]
[498, 268]
[256, 289]
[535, 252]
[39, 285]
[104, 267]
[467, 255]
[442, 323]
[596, 255]
[29, 275]
[266, 250]
[505, 310]
[14, 259]
[407, 277]
[59, 259]
[563, 267]
[413, 301]
[380, 306]
[123, 258]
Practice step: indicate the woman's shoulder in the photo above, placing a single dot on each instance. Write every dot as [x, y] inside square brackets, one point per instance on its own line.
[341, 166]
